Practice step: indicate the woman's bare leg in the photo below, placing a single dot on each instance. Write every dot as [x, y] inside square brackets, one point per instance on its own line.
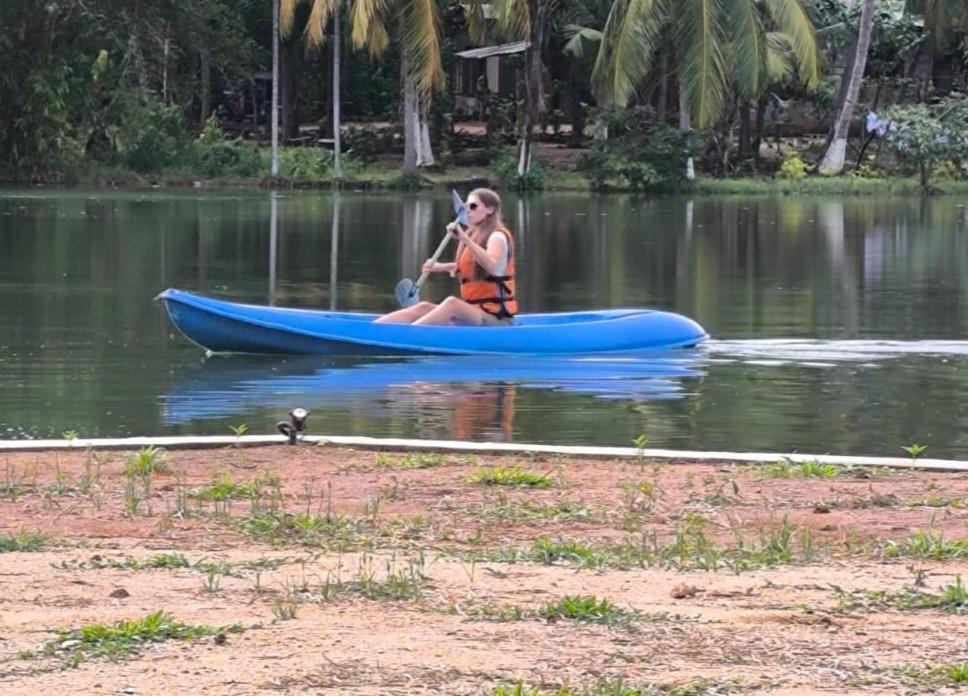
[407, 316]
[452, 311]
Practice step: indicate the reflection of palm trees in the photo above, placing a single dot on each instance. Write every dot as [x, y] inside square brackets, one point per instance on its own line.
[417, 218]
[334, 253]
[273, 244]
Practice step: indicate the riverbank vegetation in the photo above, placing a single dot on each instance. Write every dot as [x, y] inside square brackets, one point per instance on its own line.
[735, 96]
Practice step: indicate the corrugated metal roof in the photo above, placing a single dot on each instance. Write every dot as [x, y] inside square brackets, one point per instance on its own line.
[499, 50]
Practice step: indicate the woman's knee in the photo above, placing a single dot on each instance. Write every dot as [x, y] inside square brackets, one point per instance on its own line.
[452, 303]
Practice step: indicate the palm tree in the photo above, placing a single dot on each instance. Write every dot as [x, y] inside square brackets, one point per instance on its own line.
[718, 46]
[316, 37]
[418, 25]
[523, 20]
[833, 159]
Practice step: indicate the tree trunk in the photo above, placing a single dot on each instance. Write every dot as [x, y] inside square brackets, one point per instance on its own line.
[685, 127]
[758, 128]
[534, 94]
[206, 88]
[416, 132]
[833, 161]
[663, 104]
[337, 164]
[274, 167]
[745, 129]
[287, 68]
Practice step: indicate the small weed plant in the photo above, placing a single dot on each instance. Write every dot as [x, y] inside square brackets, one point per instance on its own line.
[513, 476]
[24, 541]
[786, 469]
[124, 638]
[927, 544]
[412, 461]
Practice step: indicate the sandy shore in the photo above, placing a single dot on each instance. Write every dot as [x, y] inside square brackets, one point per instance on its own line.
[325, 570]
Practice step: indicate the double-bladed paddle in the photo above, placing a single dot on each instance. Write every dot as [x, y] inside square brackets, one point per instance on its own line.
[407, 291]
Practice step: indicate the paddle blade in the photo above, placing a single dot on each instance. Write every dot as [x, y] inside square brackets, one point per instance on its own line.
[459, 210]
[407, 293]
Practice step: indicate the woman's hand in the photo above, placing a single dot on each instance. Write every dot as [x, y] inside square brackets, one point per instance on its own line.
[459, 233]
[431, 266]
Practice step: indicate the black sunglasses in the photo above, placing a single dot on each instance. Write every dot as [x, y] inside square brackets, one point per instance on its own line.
[473, 206]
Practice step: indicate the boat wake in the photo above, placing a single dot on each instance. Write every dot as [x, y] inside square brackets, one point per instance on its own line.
[828, 353]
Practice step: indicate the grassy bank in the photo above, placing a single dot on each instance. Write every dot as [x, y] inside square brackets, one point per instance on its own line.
[388, 176]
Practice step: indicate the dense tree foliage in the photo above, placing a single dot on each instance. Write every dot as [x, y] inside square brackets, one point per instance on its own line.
[116, 83]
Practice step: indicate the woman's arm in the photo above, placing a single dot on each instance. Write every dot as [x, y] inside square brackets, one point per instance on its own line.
[494, 258]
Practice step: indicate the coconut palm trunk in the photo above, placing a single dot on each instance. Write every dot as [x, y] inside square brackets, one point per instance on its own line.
[274, 167]
[337, 47]
[833, 160]
[417, 152]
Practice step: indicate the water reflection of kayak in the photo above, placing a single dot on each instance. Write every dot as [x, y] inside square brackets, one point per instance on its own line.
[223, 386]
[222, 326]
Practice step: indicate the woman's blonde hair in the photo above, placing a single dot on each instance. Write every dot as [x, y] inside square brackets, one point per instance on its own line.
[491, 200]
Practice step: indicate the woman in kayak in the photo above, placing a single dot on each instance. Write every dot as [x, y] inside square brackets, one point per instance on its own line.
[484, 263]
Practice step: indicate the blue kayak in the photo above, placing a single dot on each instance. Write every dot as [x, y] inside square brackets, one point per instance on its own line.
[221, 326]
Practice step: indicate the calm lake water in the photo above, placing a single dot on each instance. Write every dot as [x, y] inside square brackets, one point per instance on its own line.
[838, 325]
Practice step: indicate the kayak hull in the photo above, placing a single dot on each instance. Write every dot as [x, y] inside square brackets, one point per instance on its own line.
[219, 326]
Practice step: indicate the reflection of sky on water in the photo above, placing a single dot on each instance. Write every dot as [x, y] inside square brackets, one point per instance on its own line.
[225, 385]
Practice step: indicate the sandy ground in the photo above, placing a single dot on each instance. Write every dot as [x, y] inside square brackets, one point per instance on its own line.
[405, 584]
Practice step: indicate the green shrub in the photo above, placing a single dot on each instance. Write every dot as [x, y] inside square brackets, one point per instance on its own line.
[305, 163]
[925, 137]
[505, 167]
[217, 156]
[149, 135]
[640, 152]
[793, 168]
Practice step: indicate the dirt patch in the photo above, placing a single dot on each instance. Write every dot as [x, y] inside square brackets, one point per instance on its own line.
[353, 572]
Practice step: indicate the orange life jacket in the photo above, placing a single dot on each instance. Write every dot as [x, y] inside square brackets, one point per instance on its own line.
[493, 294]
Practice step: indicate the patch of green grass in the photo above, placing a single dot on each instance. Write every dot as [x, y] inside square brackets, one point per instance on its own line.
[176, 561]
[927, 544]
[306, 530]
[514, 476]
[690, 549]
[406, 582]
[786, 469]
[953, 599]
[226, 488]
[701, 687]
[517, 511]
[587, 609]
[938, 675]
[412, 461]
[116, 641]
[24, 541]
[938, 502]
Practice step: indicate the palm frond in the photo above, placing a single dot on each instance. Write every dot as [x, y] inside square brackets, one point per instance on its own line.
[702, 43]
[287, 13]
[477, 25]
[779, 57]
[369, 20]
[420, 42]
[513, 18]
[582, 41]
[749, 51]
[318, 19]
[632, 34]
[792, 19]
